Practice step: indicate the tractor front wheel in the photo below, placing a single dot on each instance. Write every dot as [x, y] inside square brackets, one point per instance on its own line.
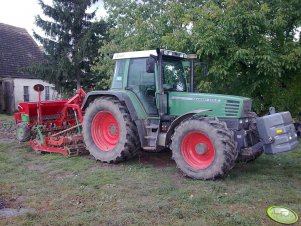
[109, 133]
[203, 148]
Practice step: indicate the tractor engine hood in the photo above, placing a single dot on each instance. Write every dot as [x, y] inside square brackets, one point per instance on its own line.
[221, 106]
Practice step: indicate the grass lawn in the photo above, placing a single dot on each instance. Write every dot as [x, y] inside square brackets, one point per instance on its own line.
[148, 190]
[5, 116]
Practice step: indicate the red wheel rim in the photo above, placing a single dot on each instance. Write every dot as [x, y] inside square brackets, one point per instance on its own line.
[197, 150]
[105, 130]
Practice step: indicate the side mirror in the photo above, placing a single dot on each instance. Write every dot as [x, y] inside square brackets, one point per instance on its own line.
[150, 65]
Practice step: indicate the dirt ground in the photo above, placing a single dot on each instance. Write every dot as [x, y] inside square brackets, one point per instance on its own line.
[158, 160]
[52, 189]
[7, 130]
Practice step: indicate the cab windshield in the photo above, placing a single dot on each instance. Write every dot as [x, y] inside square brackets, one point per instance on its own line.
[174, 74]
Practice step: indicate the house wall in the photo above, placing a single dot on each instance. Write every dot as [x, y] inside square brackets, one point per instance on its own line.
[19, 84]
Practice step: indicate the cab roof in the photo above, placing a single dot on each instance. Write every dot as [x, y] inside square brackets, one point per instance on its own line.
[147, 53]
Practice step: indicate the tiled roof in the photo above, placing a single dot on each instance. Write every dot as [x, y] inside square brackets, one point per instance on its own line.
[17, 50]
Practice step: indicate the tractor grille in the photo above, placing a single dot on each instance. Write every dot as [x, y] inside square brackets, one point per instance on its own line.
[232, 107]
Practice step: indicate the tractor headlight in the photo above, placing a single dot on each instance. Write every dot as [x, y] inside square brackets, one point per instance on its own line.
[174, 54]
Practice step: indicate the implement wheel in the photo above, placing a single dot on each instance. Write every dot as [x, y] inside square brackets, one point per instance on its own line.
[22, 132]
[109, 132]
[203, 148]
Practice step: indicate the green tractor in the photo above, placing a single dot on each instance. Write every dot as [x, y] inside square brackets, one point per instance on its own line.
[151, 106]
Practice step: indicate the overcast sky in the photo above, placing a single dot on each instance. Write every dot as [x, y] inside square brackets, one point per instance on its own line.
[21, 13]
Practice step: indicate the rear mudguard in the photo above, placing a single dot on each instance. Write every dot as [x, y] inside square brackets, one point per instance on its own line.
[123, 97]
[119, 95]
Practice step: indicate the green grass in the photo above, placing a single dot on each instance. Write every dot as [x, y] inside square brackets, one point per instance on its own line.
[5, 116]
[81, 191]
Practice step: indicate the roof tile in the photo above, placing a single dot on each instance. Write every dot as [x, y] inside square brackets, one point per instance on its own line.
[17, 50]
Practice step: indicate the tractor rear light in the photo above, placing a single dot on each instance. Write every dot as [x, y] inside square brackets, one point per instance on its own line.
[167, 53]
[191, 56]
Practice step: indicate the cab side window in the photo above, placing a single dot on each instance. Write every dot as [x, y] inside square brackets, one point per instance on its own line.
[173, 76]
[142, 84]
[118, 74]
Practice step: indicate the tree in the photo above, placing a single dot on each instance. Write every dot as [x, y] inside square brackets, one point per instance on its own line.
[141, 25]
[250, 45]
[70, 43]
[251, 50]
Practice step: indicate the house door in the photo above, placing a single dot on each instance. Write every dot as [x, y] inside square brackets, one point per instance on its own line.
[8, 97]
[1, 98]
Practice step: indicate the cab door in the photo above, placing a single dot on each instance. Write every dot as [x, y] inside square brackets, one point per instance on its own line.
[174, 79]
[143, 85]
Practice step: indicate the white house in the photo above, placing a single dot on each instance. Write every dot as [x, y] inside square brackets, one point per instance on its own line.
[17, 51]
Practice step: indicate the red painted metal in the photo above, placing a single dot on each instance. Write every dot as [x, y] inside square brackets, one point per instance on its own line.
[105, 130]
[47, 148]
[53, 113]
[54, 118]
[66, 130]
[197, 150]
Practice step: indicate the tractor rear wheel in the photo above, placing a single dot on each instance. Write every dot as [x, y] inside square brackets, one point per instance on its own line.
[109, 133]
[203, 148]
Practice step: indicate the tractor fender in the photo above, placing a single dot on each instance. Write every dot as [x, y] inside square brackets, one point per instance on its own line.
[91, 96]
[178, 120]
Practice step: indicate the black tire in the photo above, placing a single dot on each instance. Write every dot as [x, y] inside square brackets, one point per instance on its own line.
[22, 132]
[252, 126]
[127, 144]
[220, 137]
[298, 128]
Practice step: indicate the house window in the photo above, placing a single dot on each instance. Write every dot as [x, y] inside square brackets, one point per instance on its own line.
[26, 93]
[47, 94]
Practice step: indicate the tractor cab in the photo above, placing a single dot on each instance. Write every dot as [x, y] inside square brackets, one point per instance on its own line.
[152, 74]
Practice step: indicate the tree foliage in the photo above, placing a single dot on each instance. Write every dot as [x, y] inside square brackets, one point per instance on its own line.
[251, 46]
[251, 50]
[133, 26]
[71, 42]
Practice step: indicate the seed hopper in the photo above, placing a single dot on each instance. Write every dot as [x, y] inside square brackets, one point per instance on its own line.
[52, 126]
